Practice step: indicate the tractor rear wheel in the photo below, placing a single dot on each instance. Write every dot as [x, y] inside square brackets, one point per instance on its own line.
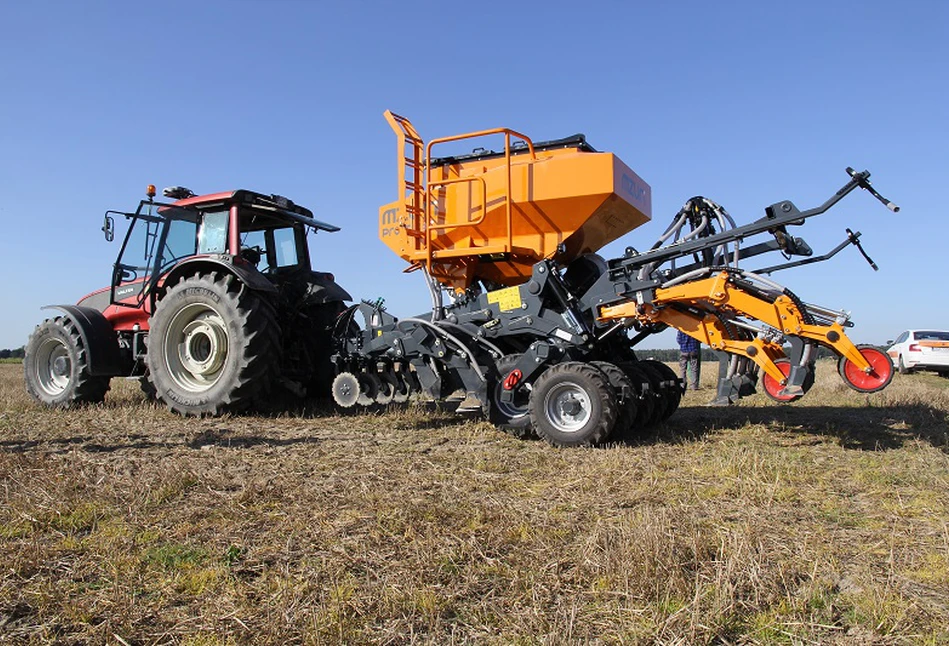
[573, 404]
[213, 347]
[56, 366]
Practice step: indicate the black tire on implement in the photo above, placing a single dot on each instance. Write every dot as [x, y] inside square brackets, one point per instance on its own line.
[573, 404]
[213, 346]
[647, 401]
[660, 402]
[671, 387]
[626, 397]
[511, 417]
[56, 366]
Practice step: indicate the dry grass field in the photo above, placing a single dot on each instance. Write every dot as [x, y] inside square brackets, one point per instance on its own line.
[826, 521]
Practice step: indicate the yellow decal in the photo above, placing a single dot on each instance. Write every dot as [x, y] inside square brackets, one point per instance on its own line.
[507, 299]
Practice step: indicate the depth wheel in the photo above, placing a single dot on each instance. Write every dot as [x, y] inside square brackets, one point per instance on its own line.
[877, 379]
[573, 404]
[773, 388]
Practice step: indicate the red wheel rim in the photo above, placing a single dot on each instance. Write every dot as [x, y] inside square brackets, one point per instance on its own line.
[878, 377]
[773, 387]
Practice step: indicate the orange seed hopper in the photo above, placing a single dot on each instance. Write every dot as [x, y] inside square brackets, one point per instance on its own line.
[492, 215]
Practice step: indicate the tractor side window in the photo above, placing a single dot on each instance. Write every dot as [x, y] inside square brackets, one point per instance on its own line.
[181, 242]
[285, 245]
[212, 236]
[254, 244]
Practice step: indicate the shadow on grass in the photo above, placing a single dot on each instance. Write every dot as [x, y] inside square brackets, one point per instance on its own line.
[216, 437]
[869, 428]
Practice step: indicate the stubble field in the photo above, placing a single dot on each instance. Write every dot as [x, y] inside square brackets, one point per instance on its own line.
[825, 521]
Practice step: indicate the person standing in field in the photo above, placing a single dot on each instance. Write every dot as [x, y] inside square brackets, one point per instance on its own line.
[690, 364]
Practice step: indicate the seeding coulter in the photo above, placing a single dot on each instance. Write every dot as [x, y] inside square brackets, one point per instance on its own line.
[213, 299]
[530, 324]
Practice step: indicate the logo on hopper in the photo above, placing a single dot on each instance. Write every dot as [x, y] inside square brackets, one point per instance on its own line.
[633, 188]
[390, 222]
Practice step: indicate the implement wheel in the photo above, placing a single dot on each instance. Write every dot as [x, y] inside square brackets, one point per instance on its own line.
[877, 379]
[56, 366]
[573, 404]
[625, 394]
[773, 388]
[514, 416]
[670, 387]
[213, 347]
[647, 400]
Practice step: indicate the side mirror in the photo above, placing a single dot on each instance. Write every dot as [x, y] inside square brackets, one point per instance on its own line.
[889, 342]
[108, 228]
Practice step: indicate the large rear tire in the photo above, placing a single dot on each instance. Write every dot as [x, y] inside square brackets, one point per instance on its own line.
[213, 346]
[573, 404]
[56, 366]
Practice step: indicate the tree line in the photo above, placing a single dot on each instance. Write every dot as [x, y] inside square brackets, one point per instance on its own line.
[17, 353]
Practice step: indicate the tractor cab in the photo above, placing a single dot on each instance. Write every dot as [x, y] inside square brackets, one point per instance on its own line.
[261, 238]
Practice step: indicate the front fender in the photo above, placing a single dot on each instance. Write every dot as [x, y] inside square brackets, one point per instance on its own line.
[102, 345]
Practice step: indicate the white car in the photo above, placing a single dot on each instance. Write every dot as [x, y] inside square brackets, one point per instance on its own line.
[921, 349]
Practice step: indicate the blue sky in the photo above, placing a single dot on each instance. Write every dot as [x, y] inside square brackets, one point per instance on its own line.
[747, 103]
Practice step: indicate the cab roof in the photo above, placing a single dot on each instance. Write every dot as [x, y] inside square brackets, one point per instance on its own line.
[276, 204]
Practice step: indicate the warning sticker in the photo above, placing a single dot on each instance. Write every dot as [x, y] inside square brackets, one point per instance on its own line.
[507, 299]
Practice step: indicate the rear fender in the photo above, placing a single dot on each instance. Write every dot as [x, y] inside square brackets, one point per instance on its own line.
[206, 264]
[323, 288]
[105, 359]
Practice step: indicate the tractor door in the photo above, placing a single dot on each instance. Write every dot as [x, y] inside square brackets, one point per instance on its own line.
[154, 243]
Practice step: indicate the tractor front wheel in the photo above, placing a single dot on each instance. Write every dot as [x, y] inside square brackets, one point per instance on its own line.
[214, 346]
[56, 366]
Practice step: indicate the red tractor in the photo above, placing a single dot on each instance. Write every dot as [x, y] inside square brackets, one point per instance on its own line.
[213, 300]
